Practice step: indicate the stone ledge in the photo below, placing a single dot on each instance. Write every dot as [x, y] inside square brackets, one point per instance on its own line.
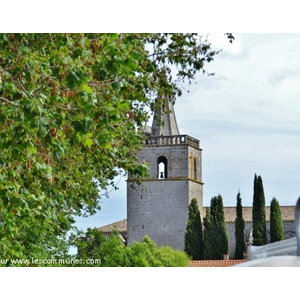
[166, 179]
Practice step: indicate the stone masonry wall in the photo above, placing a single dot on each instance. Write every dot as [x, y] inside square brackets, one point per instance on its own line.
[158, 209]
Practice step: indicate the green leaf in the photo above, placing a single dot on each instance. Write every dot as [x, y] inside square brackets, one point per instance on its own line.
[31, 149]
[86, 88]
[88, 142]
[43, 96]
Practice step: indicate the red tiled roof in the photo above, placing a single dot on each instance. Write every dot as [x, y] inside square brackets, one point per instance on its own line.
[215, 263]
[287, 212]
[120, 226]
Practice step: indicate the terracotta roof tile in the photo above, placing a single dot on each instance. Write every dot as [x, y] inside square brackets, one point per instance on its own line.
[214, 263]
[287, 212]
[121, 226]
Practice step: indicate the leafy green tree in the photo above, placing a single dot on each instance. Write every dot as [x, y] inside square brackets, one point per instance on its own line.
[259, 213]
[144, 254]
[239, 229]
[72, 106]
[276, 223]
[215, 234]
[111, 252]
[173, 258]
[193, 234]
[101, 251]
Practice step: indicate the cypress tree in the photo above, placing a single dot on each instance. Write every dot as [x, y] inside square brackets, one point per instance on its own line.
[239, 229]
[276, 223]
[259, 213]
[207, 237]
[193, 234]
[216, 237]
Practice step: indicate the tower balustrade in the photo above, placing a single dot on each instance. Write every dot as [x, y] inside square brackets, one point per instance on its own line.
[171, 140]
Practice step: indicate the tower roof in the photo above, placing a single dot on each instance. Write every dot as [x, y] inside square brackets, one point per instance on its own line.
[164, 123]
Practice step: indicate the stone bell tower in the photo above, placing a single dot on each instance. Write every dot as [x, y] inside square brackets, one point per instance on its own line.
[159, 206]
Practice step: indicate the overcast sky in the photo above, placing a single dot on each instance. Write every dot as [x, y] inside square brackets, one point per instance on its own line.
[247, 120]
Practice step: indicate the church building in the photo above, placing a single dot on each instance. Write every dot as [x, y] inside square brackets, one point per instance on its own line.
[159, 206]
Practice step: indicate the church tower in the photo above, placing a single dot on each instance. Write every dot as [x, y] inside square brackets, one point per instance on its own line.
[159, 206]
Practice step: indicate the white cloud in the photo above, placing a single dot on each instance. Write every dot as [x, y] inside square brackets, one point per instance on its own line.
[220, 41]
[282, 75]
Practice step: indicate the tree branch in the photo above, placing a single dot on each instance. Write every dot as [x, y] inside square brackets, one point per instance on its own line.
[8, 101]
[158, 53]
[106, 81]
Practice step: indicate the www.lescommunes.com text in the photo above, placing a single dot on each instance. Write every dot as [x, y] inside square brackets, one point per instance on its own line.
[50, 261]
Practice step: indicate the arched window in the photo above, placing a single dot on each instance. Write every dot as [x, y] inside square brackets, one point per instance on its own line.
[195, 168]
[162, 167]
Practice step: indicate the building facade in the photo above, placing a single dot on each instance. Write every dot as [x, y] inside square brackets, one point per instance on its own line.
[159, 206]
